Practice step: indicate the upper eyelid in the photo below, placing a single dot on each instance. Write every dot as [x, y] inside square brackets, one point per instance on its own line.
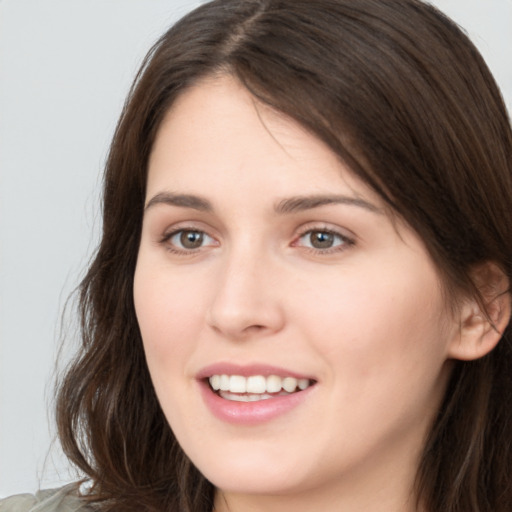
[346, 241]
[304, 228]
[190, 225]
[165, 240]
[327, 227]
[168, 234]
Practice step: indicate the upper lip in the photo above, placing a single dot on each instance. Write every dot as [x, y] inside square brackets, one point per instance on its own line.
[246, 370]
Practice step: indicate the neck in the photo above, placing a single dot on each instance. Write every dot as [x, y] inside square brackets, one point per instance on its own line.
[378, 502]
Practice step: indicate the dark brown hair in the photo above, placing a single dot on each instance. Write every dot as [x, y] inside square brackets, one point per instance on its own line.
[404, 98]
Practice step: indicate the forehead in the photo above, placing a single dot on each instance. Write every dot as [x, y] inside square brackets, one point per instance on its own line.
[217, 135]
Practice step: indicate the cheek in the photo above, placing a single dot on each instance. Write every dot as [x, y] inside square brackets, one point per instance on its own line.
[385, 346]
[168, 313]
[374, 325]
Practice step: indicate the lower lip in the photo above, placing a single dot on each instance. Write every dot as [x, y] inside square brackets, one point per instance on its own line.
[251, 413]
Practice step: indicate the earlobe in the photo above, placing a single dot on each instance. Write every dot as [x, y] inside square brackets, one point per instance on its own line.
[482, 324]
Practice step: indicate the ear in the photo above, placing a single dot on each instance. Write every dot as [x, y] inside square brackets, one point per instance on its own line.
[482, 325]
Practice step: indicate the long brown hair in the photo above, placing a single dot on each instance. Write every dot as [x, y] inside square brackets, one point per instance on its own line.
[404, 98]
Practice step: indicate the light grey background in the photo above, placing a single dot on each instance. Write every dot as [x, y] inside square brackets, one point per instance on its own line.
[65, 68]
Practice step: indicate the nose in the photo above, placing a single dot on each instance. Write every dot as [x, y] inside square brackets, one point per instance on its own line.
[245, 302]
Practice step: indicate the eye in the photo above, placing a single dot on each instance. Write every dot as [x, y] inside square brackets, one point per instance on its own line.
[184, 240]
[323, 240]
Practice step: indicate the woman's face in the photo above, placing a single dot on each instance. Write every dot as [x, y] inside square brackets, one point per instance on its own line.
[266, 266]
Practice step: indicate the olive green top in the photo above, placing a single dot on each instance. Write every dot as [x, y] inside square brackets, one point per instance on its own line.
[64, 499]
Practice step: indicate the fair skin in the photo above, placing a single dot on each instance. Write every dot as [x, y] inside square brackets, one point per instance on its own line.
[233, 269]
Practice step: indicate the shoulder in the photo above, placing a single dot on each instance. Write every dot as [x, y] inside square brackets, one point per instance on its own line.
[64, 499]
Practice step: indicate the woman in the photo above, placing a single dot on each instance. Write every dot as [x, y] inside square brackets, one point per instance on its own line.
[301, 300]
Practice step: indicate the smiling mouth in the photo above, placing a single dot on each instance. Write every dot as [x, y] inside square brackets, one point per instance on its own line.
[256, 387]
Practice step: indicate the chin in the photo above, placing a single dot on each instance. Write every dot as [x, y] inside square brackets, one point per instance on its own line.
[255, 484]
[253, 473]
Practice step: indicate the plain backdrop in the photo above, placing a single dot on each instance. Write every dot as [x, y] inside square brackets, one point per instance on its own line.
[65, 68]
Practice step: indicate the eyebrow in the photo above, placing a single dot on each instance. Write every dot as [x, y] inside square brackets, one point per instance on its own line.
[283, 207]
[183, 200]
[302, 203]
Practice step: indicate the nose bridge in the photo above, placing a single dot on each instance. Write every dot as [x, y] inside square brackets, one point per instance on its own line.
[245, 299]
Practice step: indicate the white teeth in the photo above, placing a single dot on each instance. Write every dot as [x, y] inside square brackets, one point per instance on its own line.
[256, 387]
[244, 398]
[274, 384]
[303, 383]
[215, 382]
[256, 384]
[237, 384]
[289, 384]
[224, 382]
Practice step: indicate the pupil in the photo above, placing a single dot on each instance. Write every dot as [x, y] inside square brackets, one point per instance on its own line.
[321, 239]
[191, 239]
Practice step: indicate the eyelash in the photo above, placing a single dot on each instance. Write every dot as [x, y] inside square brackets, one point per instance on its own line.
[345, 241]
[166, 241]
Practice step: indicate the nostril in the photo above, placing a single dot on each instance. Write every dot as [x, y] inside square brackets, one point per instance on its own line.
[252, 329]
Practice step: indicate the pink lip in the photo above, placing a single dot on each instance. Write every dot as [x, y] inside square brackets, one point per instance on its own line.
[249, 413]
